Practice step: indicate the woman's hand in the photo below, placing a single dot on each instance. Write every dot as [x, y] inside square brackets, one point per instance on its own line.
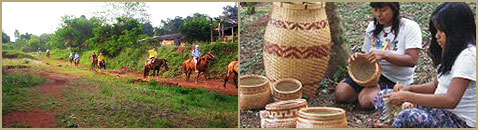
[400, 87]
[376, 55]
[355, 55]
[396, 98]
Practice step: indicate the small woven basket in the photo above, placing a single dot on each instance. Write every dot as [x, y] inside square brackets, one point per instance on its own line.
[321, 117]
[364, 72]
[297, 43]
[287, 89]
[282, 114]
[254, 92]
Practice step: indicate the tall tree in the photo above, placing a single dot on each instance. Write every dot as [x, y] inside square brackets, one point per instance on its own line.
[5, 38]
[113, 10]
[34, 42]
[230, 12]
[75, 31]
[196, 28]
[170, 26]
[148, 29]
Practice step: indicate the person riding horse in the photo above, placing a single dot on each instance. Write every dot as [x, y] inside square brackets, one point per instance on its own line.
[196, 54]
[77, 59]
[71, 57]
[152, 56]
[94, 60]
[48, 53]
[101, 61]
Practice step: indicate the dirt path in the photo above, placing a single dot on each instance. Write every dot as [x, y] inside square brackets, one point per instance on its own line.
[212, 85]
[38, 118]
[35, 118]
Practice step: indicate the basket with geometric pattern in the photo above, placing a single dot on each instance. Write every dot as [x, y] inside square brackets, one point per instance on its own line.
[297, 43]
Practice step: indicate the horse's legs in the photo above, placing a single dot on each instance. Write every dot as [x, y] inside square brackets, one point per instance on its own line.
[145, 71]
[225, 79]
[205, 76]
[197, 78]
[235, 79]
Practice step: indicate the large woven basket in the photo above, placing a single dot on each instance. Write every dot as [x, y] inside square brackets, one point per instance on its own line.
[282, 114]
[254, 92]
[297, 43]
[321, 117]
[364, 72]
[286, 89]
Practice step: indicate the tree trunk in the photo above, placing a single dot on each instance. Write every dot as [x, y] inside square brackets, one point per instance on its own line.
[210, 23]
[339, 51]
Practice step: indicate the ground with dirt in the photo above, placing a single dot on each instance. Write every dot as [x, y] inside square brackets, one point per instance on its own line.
[212, 85]
[78, 97]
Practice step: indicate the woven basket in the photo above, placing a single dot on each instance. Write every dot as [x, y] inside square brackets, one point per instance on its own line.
[287, 89]
[282, 114]
[254, 92]
[321, 117]
[364, 72]
[297, 43]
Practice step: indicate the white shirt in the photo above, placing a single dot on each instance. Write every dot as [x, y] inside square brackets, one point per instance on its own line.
[409, 36]
[463, 67]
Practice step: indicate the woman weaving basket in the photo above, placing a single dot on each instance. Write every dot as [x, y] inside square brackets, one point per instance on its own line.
[450, 100]
[395, 43]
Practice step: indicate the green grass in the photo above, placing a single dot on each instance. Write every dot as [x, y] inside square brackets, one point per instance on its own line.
[96, 100]
[16, 54]
[15, 90]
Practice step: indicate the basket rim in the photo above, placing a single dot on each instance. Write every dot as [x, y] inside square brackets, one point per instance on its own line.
[376, 74]
[265, 79]
[302, 111]
[304, 5]
[292, 80]
[287, 104]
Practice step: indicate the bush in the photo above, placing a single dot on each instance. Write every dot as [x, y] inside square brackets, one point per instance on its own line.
[16, 54]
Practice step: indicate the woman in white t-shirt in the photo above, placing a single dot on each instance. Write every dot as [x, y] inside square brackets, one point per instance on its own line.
[450, 100]
[395, 43]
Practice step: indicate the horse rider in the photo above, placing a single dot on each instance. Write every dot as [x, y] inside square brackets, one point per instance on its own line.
[152, 55]
[101, 60]
[94, 57]
[196, 54]
[71, 55]
[77, 56]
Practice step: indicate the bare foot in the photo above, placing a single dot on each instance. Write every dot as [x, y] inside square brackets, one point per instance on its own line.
[381, 125]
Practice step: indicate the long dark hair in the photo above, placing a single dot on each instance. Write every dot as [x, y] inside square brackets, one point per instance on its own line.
[457, 21]
[395, 6]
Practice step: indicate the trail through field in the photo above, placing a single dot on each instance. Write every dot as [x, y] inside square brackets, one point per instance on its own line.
[212, 85]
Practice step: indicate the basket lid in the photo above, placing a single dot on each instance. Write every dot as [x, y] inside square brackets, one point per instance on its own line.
[300, 5]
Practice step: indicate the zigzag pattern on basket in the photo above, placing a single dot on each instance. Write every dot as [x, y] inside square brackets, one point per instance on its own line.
[299, 26]
[318, 51]
[284, 113]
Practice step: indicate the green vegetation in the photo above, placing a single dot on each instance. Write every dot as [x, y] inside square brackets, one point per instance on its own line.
[94, 100]
[15, 92]
[16, 54]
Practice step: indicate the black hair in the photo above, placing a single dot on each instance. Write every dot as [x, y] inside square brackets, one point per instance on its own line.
[395, 6]
[457, 21]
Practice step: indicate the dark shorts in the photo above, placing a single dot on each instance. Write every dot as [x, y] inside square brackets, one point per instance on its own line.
[383, 82]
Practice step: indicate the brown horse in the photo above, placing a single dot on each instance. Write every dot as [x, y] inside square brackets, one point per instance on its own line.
[101, 64]
[71, 60]
[155, 66]
[232, 68]
[77, 61]
[189, 65]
